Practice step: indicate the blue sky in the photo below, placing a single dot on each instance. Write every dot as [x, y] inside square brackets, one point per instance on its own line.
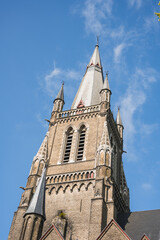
[43, 43]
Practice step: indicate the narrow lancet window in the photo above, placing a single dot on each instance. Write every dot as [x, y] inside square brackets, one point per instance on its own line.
[68, 144]
[80, 151]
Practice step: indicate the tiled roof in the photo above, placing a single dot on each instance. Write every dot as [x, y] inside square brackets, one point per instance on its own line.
[136, 224]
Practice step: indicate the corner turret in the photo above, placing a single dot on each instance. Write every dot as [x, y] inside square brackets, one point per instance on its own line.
[59, 101]
[35, 214]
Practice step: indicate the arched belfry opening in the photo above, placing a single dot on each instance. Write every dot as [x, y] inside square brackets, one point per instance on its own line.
[81, 143]
[69, 137]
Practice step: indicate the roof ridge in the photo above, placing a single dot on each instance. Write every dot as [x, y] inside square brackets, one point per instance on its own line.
[146, 210]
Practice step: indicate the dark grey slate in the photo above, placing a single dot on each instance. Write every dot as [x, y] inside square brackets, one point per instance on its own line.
[37, 204]
[135, 224]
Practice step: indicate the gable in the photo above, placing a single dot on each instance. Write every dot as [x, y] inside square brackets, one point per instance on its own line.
[51, 234]
[145, 237]
[113, 231]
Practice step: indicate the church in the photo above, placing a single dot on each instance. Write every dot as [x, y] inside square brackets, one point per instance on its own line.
[76, 188]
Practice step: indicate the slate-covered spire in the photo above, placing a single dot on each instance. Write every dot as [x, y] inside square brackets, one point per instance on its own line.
[37, 204]
[60, 94]
[118, 120]
[91, 83]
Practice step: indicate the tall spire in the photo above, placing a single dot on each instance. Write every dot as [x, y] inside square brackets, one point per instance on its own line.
[118, 120]
[92, 82]
[61, 93]
[37, 204]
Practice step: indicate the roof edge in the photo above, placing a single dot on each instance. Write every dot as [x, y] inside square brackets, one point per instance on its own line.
[108, 226]
[49, 230]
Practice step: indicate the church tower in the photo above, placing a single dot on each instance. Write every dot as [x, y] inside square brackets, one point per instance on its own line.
[76, 184]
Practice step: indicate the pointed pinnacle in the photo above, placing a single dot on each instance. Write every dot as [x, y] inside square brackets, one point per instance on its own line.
[95, 59]
[42, 152]
[91, 83]
[61, 93]
[118, 120]
[106, 83]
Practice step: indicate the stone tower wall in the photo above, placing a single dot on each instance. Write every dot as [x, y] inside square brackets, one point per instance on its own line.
[74, 200]
[83, 195]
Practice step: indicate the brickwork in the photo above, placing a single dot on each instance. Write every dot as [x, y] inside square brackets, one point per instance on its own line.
[113, 231]
[88, 192]
[75, 203]
[114, 234]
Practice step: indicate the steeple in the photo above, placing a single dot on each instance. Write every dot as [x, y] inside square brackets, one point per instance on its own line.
[59, 101]
[37, 204]
[79, 165]
[92, 82]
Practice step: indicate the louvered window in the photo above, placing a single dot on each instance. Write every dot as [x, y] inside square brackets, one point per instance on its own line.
[68, 145]
[81, 143]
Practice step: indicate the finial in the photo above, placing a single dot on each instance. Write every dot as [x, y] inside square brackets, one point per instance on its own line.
[97, 41]
[119, 108]
[63, 83]
[107, 73]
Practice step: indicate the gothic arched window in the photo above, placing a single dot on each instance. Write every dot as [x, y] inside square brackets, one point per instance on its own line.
[82, 133]
[69, 136]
